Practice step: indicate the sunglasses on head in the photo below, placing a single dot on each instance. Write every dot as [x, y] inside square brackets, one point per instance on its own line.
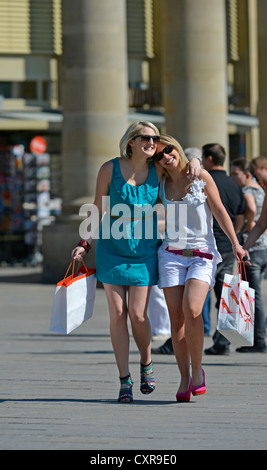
[147, 138]
[158, 156]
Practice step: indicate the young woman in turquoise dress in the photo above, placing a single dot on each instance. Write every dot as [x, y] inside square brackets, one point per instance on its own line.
[126, 263]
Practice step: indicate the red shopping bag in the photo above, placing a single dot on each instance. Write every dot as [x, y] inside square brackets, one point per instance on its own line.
[237, 310]
[74, 299]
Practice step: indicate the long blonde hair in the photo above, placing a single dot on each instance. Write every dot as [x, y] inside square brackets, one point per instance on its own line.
[132, 131]
[169, 140]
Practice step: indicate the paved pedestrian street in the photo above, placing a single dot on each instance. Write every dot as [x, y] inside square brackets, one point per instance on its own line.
[60, 392]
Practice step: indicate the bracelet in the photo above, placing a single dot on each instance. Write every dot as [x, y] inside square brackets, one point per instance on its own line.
[235, 245]
[84, 244]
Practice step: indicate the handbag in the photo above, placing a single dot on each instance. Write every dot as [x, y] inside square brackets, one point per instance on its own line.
[73, 300]
[237, 310]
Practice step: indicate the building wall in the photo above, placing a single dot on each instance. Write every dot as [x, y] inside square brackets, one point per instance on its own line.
[30, 47]
[196, 68]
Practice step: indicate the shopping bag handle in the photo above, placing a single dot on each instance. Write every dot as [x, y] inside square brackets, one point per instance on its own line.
[87, 269]
[239, 269]
[73, 264]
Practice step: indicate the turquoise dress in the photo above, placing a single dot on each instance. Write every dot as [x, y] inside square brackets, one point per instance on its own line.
[126, 251]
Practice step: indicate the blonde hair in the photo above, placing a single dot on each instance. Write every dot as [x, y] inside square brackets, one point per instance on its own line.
[132, 131]
[169, 140]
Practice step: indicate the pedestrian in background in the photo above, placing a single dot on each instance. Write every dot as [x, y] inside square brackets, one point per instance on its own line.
[259, 170]
[254, 196]
[158, 315]
[213, 159]
[259, 228]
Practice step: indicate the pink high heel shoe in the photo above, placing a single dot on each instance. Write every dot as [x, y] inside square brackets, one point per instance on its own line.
[185, 396]
[199, 389]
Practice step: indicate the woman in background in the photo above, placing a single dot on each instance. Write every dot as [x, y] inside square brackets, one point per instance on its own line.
[254, 196]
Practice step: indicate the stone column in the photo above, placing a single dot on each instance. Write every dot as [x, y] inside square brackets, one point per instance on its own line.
[95, 107]
[262, 111]
[94, 90]
[194, 71]
[253, 135]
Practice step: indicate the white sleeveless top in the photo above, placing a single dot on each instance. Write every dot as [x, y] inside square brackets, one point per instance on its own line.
[189, 222]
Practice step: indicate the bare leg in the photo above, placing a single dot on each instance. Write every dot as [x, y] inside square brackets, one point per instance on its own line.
[116, 297]
[185, 306]
[193, 300]
[137, 308]
[174, 298]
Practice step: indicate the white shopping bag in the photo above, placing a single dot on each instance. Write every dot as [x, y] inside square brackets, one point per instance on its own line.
[74, 300]
[237, 311]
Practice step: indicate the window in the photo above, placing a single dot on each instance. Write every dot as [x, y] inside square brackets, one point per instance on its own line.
[28, 90]
[140, 32]
[6, 89]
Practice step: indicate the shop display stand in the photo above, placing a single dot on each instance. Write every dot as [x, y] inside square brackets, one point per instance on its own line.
[24, 204]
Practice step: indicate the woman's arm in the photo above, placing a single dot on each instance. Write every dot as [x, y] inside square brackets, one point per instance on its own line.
[102, 186]
[221, 215]
[193, 170]
[102, 183]
[250, 212]
[259, 228]
[194, 167]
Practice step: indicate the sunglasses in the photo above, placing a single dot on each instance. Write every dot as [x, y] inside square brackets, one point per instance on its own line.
[158, 156]
[146, 138]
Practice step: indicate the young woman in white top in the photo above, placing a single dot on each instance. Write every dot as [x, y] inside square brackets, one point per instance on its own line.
[188, 257]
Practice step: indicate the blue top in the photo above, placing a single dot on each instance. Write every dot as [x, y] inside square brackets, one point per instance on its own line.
[126, 251]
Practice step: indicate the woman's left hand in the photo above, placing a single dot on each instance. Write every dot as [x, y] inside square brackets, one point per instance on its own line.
[194, 168]
[241, 254]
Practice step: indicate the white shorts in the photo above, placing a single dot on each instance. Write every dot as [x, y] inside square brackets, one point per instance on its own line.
[174, 270]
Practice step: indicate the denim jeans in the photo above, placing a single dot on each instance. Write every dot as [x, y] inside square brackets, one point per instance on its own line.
[206, 314]
[255, 274]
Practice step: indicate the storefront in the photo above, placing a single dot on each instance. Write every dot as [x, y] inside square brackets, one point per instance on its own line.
[30, 186]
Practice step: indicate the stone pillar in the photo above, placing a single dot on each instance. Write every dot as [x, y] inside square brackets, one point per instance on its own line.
[95, 107]
[253, 135]
[262, 111]
[194, 71]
